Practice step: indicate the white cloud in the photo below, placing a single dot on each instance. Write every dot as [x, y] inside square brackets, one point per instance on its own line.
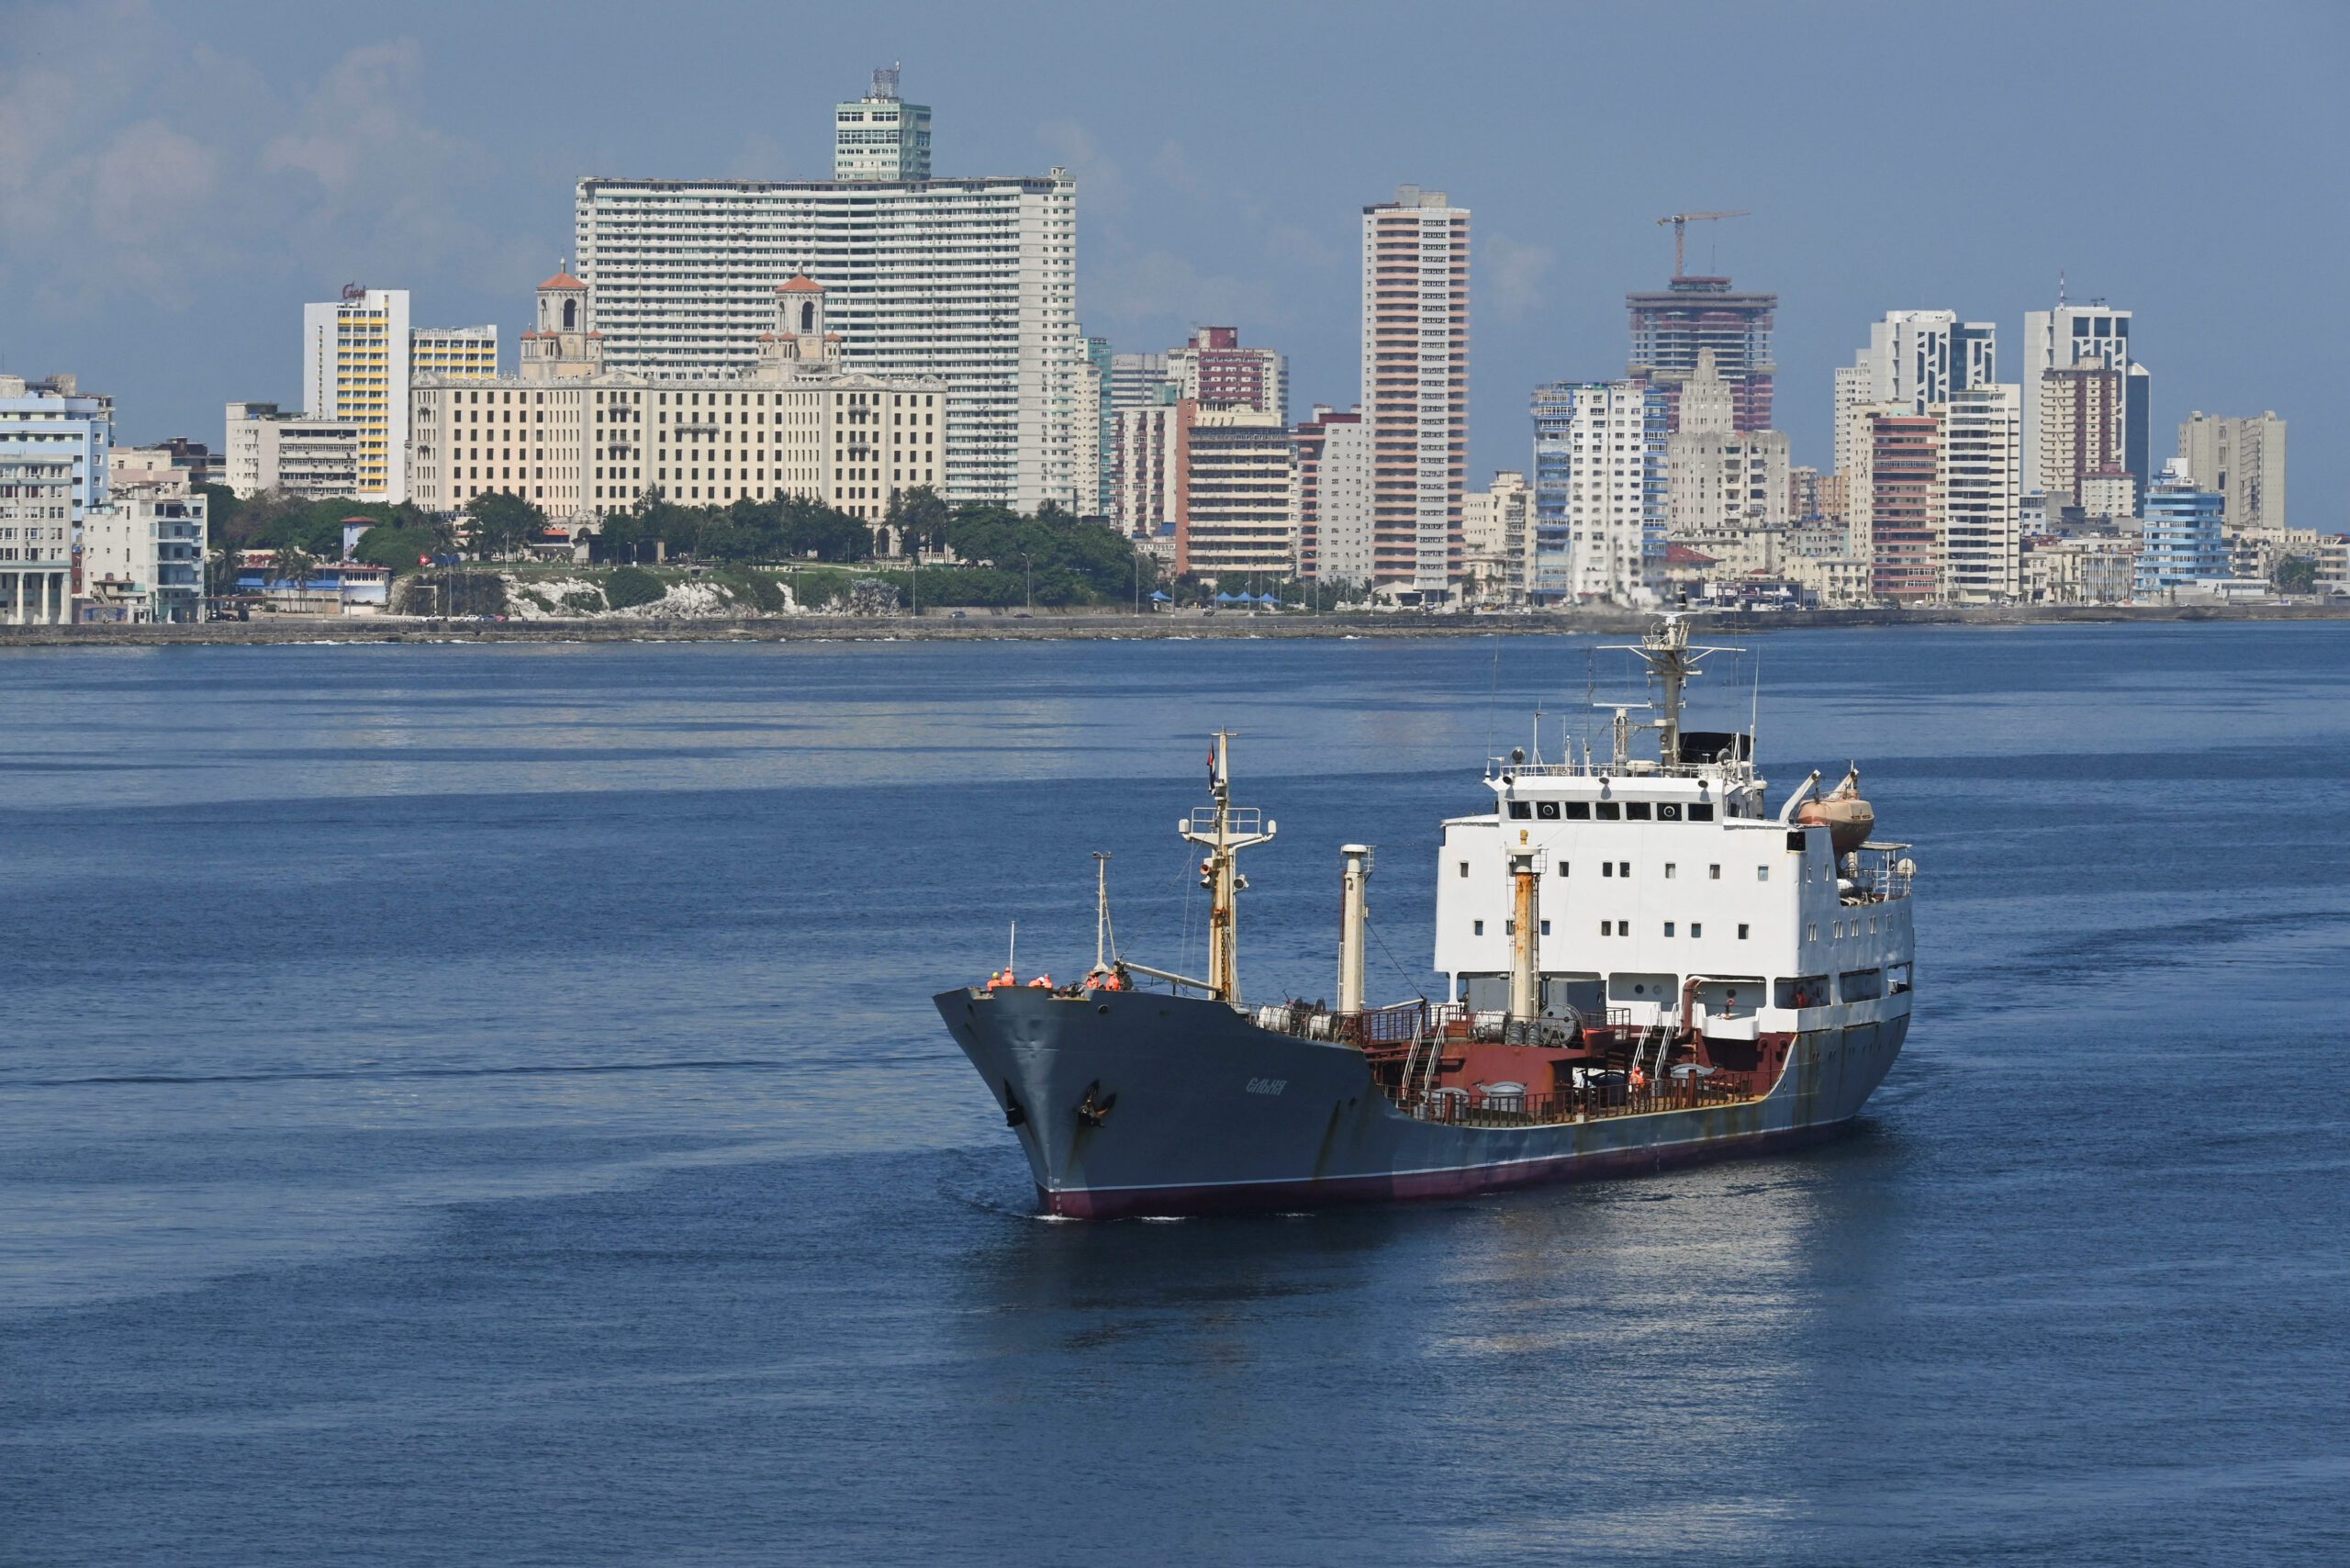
[1509, 275]
[166, 165]
[1101, 182]
[1163, 289]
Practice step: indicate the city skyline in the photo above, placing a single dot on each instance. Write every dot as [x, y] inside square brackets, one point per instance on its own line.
[417, 159]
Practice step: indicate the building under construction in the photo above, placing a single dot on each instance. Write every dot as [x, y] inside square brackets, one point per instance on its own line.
[1670, 330]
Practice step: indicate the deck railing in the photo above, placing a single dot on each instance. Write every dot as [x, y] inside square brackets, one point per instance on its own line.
[1461, 1108]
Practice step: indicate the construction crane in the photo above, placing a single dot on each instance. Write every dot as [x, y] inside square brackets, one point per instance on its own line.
[1681, 221]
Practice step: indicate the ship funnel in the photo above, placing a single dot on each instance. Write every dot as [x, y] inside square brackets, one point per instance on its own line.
[1525, 925]
[1353, 916]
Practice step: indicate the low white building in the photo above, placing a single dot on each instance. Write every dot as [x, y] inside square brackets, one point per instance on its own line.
[1497, 541]
[143, 553]
[2087, 568]
[315, 457]
[35, 539]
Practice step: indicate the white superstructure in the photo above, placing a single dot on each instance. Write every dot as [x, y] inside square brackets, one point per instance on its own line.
[1667, 892]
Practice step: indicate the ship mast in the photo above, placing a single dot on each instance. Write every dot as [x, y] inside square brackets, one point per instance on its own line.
[1673, 662]
[1223, 830]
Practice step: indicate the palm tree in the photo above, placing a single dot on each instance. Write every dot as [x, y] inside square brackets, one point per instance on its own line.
[292, 565]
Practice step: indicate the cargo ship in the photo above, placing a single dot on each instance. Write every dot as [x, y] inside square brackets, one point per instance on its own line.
[1645, 963]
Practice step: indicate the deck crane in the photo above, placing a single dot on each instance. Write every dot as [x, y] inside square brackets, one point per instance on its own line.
[1681, 221]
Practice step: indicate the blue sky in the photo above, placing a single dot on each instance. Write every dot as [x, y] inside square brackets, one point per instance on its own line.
[175, 179]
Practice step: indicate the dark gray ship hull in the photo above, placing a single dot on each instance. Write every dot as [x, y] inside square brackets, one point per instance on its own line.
[1134, 1103]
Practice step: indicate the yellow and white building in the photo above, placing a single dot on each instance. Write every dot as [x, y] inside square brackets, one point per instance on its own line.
[581, 442]
[359, 359]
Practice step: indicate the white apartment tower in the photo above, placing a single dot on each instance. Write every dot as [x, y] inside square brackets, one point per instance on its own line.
[1980, 544]
[1920, 357]
[972, 282]
[1599, 504]
[880, 136]
[1415, 385]
[1334, 496]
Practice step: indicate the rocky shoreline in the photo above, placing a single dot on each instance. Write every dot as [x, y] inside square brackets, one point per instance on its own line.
[1047, 625]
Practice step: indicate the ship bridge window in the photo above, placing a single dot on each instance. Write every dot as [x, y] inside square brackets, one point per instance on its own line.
[1578, 811]
[1609, 811]
[1668, 810]
[1548, 811]
[1464, 868]
[1804, 991]
[1636, 810]
[1860, 985]
[1701, 812]
[1521, 811]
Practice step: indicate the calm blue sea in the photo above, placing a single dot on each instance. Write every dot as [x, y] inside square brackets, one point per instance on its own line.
[472, 1105]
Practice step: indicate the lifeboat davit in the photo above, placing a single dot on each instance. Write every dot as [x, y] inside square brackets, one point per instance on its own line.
[1848, 818]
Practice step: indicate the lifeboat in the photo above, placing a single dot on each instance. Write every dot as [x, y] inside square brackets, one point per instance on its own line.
[1848, 818]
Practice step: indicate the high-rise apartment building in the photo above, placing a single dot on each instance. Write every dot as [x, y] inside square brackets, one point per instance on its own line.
[1135, 379]
[1335, 514]
[355, 366]
[1215, 371]
[1105, 424]
[2090, 338]
[880, 136]
[1980, 544]
[972, 282]
[581, 440]
[1852, 383]
[1151, 455]
[1920, 357]
[1701, 315]
[2244, 461]
[1599, 495]
[2081, 434]
[1897, 503]
[1415, 386]
[1235, 518]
